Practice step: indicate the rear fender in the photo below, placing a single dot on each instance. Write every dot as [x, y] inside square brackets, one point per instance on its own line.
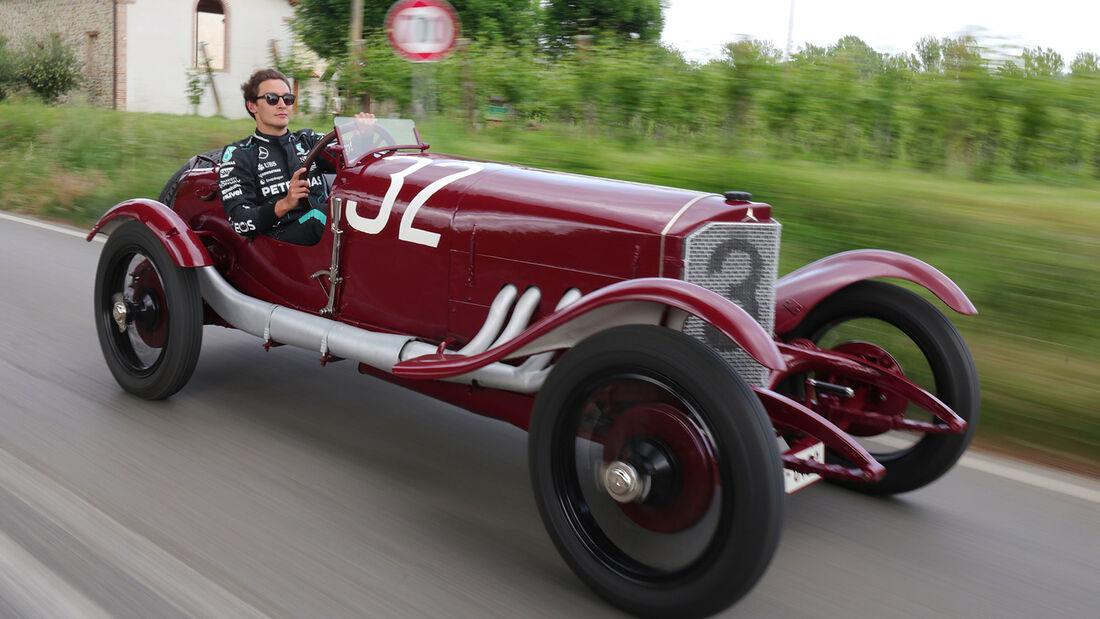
[181, 242]
[800, 291]
[638, 301]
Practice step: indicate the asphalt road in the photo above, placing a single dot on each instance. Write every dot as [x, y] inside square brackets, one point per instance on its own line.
[271, 486]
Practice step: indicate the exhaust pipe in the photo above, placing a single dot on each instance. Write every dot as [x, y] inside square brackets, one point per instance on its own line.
[273, 322]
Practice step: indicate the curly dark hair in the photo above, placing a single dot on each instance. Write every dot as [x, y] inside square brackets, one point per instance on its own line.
[252, 86]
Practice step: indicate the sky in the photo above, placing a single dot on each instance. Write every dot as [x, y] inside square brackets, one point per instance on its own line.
[699, 28]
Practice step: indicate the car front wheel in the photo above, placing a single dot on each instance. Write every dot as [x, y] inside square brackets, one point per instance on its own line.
[656, 472]
[148, 314]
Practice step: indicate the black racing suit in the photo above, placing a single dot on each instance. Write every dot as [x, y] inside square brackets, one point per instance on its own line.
[255, 174]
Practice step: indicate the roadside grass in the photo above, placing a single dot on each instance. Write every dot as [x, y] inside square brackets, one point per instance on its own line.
[73, 162]
[1027, 254]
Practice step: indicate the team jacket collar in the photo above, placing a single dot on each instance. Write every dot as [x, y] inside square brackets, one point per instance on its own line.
[280, 139]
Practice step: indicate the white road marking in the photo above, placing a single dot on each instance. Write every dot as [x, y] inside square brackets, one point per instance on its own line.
[1007, 470]
[47, 226]
[180, 585]
[1045, 482]
[35, 590]
[983, 464]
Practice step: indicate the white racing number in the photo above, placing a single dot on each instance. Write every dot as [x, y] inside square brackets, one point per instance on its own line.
[406, 231]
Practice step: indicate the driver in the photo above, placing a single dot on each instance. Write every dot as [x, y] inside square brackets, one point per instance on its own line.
[260, 179]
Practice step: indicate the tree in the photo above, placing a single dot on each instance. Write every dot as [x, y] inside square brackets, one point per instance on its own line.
[323, 24]
[852, 51]
[931, 54]
[508, 21]
[49, 67]
[749, 67]
[962, 57]
[1041, 62]
[634, 19]
[1086, 63]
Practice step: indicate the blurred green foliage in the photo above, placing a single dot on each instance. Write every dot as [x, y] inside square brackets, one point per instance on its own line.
[46, 65]
[8, 68]
[953, 104]
[324, 25]
[565, 20]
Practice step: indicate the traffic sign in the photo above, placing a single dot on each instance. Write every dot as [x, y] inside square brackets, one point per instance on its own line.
[422, 30]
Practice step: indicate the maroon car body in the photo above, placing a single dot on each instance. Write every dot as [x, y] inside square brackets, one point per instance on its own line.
[486, 285]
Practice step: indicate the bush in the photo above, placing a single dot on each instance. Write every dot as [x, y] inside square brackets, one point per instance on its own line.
[49, 67]
[8, 78]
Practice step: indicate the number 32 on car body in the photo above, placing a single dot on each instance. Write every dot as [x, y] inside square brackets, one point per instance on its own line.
[406, 231]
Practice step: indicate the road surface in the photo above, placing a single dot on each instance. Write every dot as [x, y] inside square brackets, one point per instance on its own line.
[273, 487]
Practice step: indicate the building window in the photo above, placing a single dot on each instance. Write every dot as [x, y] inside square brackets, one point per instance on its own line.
[211, 35]
[92, 36]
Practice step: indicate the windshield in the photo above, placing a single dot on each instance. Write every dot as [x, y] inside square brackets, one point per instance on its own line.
[361, 137]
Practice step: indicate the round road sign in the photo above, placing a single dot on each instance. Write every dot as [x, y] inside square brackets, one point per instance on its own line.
[422, 30]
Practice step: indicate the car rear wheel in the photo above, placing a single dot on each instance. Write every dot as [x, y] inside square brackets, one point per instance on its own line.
[902, 332]
[148, 314]
[656, 472]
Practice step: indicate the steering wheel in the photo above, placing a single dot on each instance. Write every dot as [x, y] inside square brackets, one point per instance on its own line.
[320, 149]
[379, 136]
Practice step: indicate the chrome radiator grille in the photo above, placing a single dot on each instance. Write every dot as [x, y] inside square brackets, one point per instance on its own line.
[738, 261]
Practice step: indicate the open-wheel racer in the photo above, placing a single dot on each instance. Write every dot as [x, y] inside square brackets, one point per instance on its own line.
[672, 386]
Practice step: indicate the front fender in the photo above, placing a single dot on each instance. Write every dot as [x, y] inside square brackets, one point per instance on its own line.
[799, 291]
[181, 242]
[633, 301]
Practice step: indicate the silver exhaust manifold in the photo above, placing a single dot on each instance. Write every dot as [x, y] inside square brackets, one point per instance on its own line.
[277, 323]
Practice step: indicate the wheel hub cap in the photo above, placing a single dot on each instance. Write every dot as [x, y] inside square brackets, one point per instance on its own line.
[147, 312]
[622, 482]
[663, 465]
[118, 312]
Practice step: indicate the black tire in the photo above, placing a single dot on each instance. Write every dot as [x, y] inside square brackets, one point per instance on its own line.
[168, 194]
[672, 408]
[156, 354]
[930, 352]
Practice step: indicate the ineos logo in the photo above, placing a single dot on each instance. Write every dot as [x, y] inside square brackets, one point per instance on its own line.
[735, 255]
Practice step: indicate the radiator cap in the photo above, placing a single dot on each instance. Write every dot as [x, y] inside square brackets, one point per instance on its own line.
[737, 196]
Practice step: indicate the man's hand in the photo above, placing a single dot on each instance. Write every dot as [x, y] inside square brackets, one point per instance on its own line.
[363, 121]
[299, 188]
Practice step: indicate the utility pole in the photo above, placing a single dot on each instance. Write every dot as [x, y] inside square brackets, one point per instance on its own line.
[355, 47]
[790, 31]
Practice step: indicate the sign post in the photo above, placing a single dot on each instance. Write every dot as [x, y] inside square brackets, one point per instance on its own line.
[422, 31]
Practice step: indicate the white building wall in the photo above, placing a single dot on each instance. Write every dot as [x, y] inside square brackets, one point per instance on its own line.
[160, 36]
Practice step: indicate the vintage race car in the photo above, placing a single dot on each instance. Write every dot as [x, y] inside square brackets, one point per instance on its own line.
[673, 388]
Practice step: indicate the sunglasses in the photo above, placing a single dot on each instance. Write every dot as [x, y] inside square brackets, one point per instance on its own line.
[273, 99]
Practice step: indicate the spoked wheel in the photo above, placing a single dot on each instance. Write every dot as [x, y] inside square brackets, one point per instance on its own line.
[656, 472]
[148, 314]
[905, 334]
